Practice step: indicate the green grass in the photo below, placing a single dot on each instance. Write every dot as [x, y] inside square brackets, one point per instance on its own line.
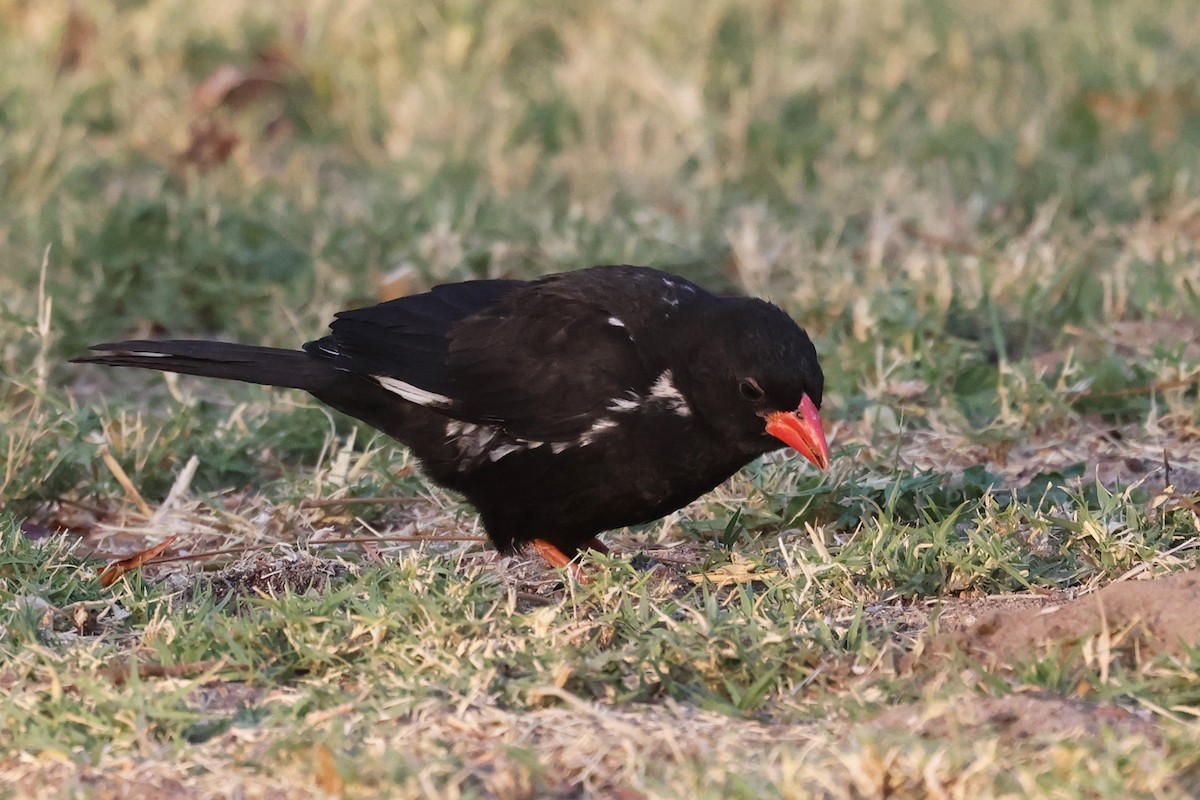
[984, 212]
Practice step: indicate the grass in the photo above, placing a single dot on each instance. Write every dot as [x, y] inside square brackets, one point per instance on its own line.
[985, 213]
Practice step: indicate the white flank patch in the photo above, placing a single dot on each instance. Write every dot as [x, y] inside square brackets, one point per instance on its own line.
[413, 394]
[599, 426]
[616, 323]
[474, 442]
[602, 424]
[500, 451]
[664, 389]
[630, 402]
[457, 427]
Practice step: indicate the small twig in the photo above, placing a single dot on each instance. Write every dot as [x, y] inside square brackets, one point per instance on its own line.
[463, 537]
[250, 548]
[687, 562]
[940, 242]
[120, 673]
[351, 501]
[1136, 390]
[535, 599]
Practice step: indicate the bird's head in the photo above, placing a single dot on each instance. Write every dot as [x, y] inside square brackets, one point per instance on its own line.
[753, 375]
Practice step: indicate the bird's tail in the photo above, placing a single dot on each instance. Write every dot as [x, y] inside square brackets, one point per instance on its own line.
[268, 366]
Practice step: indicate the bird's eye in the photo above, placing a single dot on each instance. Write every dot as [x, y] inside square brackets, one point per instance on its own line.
[750, 390]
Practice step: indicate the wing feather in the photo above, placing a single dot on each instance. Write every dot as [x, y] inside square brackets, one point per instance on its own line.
[543, 361]
[407, 339]
[543, 366]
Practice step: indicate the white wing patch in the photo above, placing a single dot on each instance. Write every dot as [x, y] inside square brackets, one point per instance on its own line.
[413, 394]
[664, 389]
[616, 323]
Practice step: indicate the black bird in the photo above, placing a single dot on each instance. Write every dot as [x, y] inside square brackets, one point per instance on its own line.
[560, 407]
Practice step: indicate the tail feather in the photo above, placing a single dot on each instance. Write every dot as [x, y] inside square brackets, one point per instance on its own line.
[268, 366]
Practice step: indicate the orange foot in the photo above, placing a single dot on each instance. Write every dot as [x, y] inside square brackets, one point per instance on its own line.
[557, 558]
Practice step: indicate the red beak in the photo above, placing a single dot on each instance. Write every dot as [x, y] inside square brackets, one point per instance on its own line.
[801, 430]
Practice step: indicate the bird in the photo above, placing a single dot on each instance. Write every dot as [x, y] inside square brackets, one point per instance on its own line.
[559, 407]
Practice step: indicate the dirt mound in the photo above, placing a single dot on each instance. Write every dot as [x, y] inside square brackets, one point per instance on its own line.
[1148, 617]
[1013, 718]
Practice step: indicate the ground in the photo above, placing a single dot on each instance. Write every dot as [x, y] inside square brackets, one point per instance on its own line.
[984, 213]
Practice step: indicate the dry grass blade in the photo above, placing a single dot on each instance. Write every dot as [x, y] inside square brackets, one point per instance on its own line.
[123, 478]
[1134, 391]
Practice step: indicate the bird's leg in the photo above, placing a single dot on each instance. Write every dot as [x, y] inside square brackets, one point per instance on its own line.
[557, 558]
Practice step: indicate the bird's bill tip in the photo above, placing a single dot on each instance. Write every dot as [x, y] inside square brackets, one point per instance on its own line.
[801, 430]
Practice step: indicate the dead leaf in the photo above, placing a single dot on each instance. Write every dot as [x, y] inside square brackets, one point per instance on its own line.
[327, 776]
[210, 144]
[737, 571]
[114, 571]
[234, 87]
[80, 616]
[78, 34]
[213, 90]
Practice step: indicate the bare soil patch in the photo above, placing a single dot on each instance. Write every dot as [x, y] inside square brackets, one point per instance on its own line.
[1013, 718]
[1148, 617]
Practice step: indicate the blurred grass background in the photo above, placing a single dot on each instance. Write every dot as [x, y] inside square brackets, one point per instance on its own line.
[246, 168]
[935, 189]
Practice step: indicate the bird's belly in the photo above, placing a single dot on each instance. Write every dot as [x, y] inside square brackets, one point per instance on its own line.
[569, 497]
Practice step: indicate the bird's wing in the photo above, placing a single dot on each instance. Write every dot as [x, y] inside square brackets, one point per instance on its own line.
[544, 366]
[545, 361]
[406, 341]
